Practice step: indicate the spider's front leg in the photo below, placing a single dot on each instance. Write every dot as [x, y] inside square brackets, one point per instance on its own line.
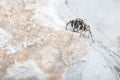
[81, 31]
[84, 32]
[67, 25]
[91, 35]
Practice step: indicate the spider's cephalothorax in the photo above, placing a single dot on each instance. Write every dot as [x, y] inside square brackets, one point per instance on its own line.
[78, 25]
[75, 24]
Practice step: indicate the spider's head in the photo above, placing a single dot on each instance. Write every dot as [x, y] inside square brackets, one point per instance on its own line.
[80, 20]
[77, 19]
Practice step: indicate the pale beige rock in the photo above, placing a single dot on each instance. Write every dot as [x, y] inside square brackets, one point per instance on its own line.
[51, 51]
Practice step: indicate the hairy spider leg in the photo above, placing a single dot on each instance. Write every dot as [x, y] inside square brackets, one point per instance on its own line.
[81, 31]
[84, 31]
[67, 25]
[90, 33]
[70, 22]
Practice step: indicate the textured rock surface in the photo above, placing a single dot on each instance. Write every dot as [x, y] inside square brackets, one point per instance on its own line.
[42, 48]
[35, 46]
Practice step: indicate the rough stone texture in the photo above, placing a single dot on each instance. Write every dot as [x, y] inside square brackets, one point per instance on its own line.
[32, 49]
[25, 46]
[51, 51]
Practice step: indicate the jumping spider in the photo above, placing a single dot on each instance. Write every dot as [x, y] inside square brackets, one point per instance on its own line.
[78, 25]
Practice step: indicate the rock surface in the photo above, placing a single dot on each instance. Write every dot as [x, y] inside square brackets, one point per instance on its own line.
[35, 46]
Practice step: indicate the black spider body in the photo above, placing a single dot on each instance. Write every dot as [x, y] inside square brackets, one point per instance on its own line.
[79, 25]
[76, 24]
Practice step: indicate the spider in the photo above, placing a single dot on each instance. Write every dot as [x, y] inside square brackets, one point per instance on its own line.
[78, 25]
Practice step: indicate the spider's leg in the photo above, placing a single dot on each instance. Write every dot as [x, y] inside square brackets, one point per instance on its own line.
[67, 25]
[81, 31]
[84, 32]
[91, 35]
[73, 27]
[78, 29]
